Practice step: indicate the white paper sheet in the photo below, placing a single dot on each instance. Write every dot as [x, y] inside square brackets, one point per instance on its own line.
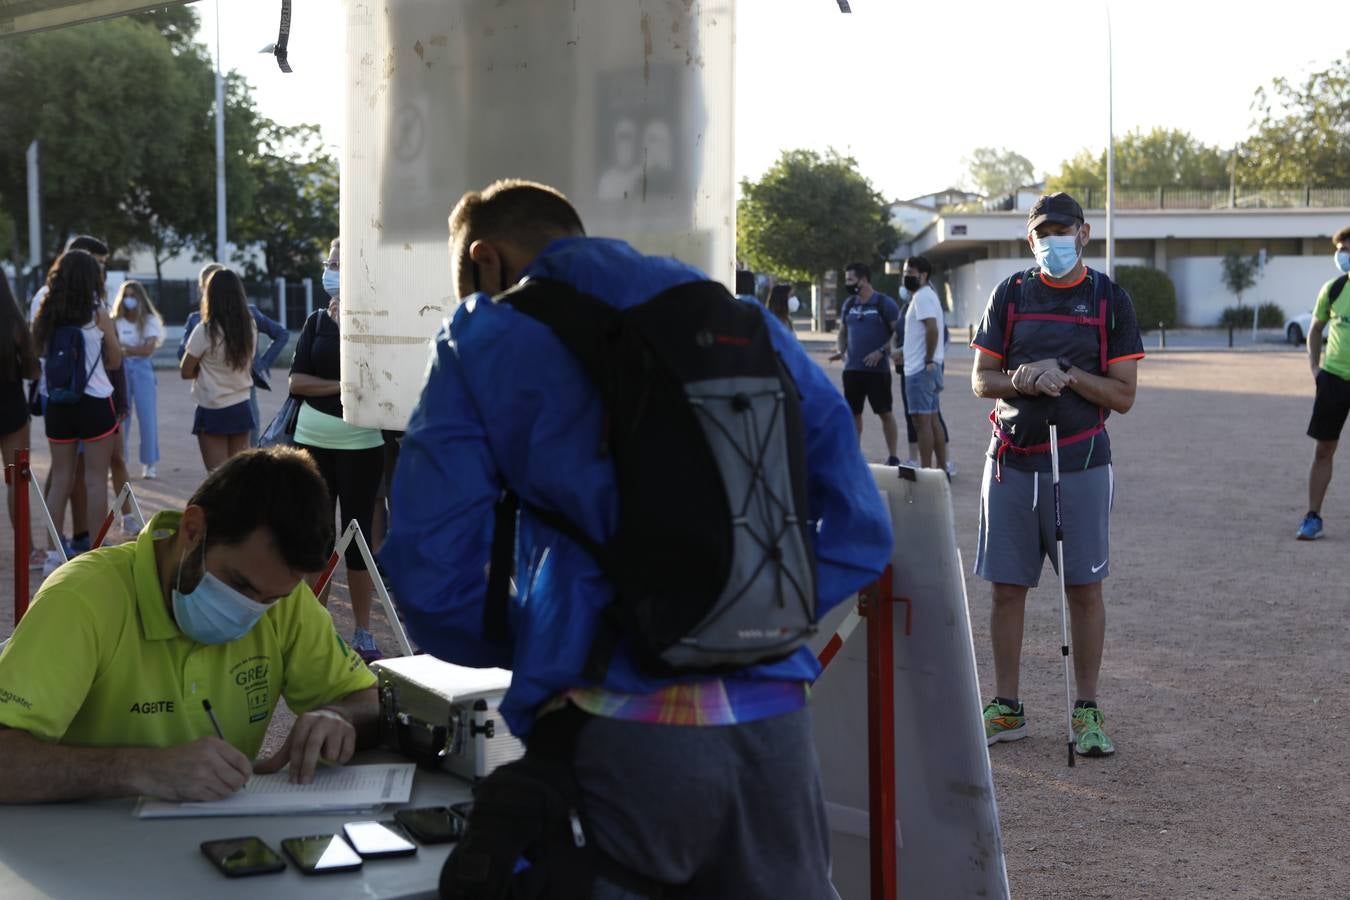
[335, 789]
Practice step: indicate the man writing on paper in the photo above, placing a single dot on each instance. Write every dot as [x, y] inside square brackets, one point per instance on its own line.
[102, 683]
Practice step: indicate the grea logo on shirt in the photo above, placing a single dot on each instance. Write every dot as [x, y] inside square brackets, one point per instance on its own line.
[252, 676]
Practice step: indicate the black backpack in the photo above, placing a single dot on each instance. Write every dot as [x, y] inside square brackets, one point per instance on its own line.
[65, 368]
[712, 561]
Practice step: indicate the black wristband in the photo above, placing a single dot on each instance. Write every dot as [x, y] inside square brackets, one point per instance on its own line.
[1065, 364]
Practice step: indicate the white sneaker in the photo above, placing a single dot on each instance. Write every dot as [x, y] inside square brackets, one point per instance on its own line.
[130, 526]
[951, 469]
[53, 563]
[149, 472]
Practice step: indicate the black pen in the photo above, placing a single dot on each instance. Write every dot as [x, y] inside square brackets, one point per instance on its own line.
[206, 705]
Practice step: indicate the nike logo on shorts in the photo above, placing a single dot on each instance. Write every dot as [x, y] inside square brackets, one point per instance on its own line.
[1096, 569]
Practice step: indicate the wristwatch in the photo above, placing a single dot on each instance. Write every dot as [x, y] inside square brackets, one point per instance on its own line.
[1065, 364]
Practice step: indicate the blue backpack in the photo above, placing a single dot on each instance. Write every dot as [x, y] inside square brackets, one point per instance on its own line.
[66, 370]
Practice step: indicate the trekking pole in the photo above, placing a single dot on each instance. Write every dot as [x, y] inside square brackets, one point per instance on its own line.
[1063, 591]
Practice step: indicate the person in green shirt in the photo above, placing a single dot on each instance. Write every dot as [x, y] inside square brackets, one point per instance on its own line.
[103, 681]
[1331, 374]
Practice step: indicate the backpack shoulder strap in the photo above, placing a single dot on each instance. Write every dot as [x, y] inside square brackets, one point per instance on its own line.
[1337, 287]
[585, 324]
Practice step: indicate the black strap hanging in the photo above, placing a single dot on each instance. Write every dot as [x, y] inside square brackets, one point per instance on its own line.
[283, 37]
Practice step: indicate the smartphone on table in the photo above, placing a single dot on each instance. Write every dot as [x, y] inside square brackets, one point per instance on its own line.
[378, 840]
[242, 856]
[321, 854]
[432, 824]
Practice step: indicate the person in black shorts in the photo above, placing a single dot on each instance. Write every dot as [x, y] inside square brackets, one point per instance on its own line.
[76, 299]
[1331, 375]
[18, 361]
[866, 325]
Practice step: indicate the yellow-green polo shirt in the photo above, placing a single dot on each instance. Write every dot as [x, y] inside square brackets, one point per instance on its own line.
[98, 660]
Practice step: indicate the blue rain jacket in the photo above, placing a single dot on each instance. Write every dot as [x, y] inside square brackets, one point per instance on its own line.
[505, 403]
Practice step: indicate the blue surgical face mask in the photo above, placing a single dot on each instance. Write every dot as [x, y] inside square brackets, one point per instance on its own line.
[213, 612]
[1343, 261]
[332, 280]
[904, 293]
[129, 303]
[1057, 254]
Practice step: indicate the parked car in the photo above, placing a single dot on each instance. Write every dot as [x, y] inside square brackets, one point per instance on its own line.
[1296, 329]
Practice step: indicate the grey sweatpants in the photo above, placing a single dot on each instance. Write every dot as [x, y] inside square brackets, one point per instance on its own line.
[730, 811]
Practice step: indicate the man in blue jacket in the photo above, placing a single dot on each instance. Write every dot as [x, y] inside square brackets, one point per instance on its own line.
[262, 359]
[708, 783]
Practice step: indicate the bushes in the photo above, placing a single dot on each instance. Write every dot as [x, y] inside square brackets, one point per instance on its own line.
[1154, 296]
[1268, 315]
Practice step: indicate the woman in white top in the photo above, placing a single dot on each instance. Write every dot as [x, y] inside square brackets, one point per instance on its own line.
[74, 300]
[140, 330]
[218, 361]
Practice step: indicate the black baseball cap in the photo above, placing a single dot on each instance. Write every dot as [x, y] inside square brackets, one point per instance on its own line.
[1058, 207]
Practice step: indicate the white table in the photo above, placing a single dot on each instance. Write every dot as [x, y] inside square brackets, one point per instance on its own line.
[100, 850]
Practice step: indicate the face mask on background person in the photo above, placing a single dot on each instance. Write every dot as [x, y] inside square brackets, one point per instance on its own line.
[911, 283]
[332, 280]
[1343, 261]
[904, 293]
[793, 304]
[213, 612]
[853, 288]
[129, 303]
[1057, 254]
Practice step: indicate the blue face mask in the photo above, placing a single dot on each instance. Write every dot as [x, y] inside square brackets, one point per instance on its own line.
[1343, 261]
[332, 280]
[213, 612]
[129, 303]
[1057, 254]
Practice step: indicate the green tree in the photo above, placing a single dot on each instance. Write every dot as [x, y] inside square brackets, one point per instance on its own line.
[1302, 132]
[1239, 273]
[123, 114]
[1162, 157]
[295, 207]
[995, 171]
[811, 213]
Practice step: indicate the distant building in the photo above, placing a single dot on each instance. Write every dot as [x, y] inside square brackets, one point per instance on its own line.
[1184, 233]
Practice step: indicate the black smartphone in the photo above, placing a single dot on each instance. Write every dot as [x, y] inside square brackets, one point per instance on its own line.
[377, 840]
[321, 854]
[238, 857]
[432, 824]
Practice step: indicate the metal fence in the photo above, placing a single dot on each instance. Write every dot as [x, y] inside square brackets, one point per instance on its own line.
[1217, 198]
[289, 302]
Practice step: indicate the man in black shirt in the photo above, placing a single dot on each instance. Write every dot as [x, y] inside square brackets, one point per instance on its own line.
[1057, 343]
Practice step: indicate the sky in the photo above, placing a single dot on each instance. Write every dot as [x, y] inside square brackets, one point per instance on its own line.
[909, 89]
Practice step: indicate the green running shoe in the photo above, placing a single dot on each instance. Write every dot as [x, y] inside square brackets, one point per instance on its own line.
[1003, 723]
[1089, 737]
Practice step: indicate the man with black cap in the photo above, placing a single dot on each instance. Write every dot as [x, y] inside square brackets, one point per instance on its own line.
[1057, 343]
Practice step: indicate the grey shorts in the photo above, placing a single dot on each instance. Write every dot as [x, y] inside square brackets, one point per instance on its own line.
[1017, 525]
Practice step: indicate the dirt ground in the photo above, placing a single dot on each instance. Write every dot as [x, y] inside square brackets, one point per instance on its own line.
[1226, 682]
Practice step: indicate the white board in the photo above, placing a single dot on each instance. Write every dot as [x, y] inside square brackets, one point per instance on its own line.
[947, 833]
[625, 107]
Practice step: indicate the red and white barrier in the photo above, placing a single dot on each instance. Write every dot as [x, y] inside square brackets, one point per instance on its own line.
[19, 476]
[115, 510]
[353, 533]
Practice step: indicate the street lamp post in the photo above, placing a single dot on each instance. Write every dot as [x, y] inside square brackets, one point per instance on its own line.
[220, 149]
[1110, 155]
